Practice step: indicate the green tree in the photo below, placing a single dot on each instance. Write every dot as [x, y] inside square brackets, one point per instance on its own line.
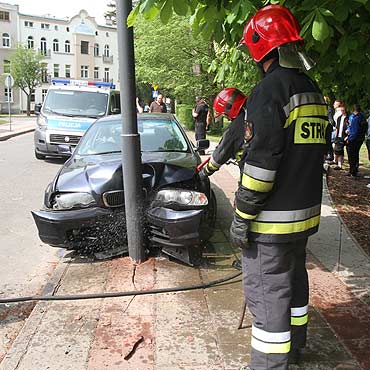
[25, 67]
[169, 56]
[336, 35]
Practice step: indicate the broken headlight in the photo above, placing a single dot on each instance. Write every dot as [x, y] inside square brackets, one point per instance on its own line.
[64, 201]
[182, 197]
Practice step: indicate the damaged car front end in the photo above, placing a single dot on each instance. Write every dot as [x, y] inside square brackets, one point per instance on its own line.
[84, 205]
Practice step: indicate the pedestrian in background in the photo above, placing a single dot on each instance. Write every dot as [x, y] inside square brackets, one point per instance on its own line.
[279, 196]
[356, 136]
[158, 106]
[200, 115]
[340, 138]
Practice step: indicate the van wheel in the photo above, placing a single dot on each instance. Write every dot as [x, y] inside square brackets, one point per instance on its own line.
[39, 156]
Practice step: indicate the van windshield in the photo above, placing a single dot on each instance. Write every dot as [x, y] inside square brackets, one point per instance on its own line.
[76, 103]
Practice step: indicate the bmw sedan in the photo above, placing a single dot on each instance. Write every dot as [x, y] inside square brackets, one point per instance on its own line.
[84, 205]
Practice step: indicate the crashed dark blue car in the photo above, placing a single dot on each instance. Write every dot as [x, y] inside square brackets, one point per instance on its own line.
[84, 204]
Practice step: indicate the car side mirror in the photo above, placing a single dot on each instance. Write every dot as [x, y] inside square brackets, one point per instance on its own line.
[116, 111]
[202, 144]
[37, 108]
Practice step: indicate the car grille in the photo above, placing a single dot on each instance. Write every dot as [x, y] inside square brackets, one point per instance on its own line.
[64, 139]
[114, 198]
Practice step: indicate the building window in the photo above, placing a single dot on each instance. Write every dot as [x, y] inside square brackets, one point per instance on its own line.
[96, 33]
[8, 93]
[55, 45]
[6, 66]
[33, 96]
[43, 45]
[56, 70]
[84, 47]
[67, 29]
[96, 50]
[68, 70]
[45, 26]
[4, 16]
[96, 73]
[67, 47]
[106, 74]
[106, 50]
[44, 73]
[6, 40]
[84, 71]
[56, 27]
[30, 43]
[28, 24]
[43, 94]
[107, 34]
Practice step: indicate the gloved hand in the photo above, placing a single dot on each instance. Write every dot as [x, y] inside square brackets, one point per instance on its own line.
[203, 174]
[239, 233]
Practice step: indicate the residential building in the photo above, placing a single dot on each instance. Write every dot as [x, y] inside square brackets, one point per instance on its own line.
[76, 48]
[8, 44]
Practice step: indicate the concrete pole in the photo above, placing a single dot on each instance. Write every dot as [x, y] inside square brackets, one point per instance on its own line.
[131, 152]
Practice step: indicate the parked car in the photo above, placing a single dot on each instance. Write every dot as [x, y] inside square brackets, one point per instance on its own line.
[84, 204]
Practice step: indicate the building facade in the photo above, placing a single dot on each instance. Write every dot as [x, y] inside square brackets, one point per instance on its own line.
[8, 44]
[75, 48]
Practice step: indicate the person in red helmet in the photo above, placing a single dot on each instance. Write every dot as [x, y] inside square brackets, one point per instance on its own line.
[277, 204]
[229, 102]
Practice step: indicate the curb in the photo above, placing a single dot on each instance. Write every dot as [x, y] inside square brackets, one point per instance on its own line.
[16, 133]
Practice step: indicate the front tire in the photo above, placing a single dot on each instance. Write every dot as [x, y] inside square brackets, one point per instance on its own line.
[39, 156]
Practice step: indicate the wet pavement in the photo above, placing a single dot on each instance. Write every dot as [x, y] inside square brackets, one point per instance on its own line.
[196, 329]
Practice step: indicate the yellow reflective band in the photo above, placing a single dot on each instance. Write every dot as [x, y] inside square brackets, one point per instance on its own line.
[270, 347]
[256, 185]
[238, 155]
[284, 228]
[310, 130]
[299, 321]
[308, 110]
[212, 166]
[246, 216]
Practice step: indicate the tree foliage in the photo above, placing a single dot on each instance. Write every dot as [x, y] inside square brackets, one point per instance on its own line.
[167, 55]
[26, 67]
[336, 33]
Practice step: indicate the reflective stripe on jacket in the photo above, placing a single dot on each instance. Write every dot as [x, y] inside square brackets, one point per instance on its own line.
[281, 185]
[231, 144]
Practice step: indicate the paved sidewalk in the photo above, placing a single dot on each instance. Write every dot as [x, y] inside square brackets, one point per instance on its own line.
[195, 330]
[17, 126]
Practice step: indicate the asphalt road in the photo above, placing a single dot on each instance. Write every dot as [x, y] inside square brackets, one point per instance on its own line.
[26, 263]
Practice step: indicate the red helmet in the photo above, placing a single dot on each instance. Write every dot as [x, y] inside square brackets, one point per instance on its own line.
[229, 101]
[270, 27]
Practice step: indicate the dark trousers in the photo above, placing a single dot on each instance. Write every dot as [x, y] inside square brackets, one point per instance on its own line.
[200, 133]
[368, 147]
[353, 151]
[276, 288]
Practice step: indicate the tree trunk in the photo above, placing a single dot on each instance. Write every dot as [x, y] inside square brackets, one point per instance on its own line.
[28, 105]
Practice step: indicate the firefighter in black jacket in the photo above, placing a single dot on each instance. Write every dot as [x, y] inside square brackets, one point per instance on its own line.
[278, 201]
[231, 103]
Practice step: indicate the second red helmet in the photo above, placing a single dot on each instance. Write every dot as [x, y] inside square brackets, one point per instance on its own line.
[229, 101]
[271, 27]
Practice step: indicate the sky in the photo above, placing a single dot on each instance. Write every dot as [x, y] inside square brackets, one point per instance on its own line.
[63, 8]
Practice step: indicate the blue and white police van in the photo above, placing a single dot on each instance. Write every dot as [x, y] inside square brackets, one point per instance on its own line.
[69, 108]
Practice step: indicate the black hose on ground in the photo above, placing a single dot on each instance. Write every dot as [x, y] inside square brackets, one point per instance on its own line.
[74, 297]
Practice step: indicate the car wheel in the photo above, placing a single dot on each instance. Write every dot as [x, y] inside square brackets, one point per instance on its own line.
[39, 156]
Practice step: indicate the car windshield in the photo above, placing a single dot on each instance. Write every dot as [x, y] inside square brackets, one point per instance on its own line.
[76, 103]
[155, 136]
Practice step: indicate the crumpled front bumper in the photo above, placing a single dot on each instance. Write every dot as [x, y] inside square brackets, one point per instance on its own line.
[166, 227]
[53, 226]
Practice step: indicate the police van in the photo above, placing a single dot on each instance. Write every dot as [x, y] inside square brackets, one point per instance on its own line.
[69, 109]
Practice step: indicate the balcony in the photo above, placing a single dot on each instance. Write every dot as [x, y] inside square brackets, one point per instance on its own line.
[107, 59]
[44, 53]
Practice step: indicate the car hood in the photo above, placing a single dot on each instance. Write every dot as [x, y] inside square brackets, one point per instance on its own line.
[100, 173]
